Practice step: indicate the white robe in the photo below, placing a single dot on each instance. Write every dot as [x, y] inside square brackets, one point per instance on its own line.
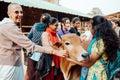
[8, 72]
[11, 72]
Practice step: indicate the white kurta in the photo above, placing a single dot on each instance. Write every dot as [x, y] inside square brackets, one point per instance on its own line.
[11, 72]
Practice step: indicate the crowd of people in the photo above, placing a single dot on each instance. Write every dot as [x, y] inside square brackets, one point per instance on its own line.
[103, 37]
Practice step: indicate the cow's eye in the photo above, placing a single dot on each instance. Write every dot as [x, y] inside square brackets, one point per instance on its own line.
[67, 43]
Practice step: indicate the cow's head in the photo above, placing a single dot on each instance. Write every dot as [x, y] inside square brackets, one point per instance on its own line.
[73, 45]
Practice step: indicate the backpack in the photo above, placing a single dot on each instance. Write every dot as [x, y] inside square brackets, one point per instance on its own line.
[112, 68]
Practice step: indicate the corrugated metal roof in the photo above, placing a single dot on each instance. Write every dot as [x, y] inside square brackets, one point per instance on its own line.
[48, 6]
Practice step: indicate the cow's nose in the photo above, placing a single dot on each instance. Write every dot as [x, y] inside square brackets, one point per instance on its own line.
[80, 58]
[85, 55]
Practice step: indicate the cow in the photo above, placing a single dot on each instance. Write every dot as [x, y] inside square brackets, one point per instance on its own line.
[74, 47]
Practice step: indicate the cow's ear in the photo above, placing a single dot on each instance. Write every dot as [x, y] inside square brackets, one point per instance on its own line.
[57, 44]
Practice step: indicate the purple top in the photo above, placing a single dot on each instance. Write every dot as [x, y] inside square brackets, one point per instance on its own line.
[60, 32]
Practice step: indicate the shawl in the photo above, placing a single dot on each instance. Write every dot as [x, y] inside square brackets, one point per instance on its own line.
[54, 38]
[84, 70]
[113, 68]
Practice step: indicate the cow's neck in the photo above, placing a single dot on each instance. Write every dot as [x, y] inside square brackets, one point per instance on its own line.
[66, 69]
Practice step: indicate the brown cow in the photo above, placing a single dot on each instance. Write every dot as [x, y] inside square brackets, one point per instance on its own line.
[73, 45]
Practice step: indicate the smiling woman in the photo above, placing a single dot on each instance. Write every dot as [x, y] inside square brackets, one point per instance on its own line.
[53, 24]
[49, 38]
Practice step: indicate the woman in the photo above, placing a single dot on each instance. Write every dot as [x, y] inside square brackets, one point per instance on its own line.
[49, 38]
[65, 26]
[76, 25]
[35, 36]
[102, 48]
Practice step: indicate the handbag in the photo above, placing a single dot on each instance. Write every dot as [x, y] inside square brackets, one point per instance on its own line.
[40, 64]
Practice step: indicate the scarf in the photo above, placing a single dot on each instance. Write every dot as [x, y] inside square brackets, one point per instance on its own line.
[54, 38]
[84, 70]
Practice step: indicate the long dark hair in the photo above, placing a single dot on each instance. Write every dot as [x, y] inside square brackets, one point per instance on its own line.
[103, 28]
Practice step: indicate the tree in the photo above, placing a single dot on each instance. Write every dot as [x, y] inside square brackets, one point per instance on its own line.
[95, 11]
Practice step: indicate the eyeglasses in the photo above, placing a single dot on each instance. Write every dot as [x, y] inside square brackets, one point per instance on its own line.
[17, 12]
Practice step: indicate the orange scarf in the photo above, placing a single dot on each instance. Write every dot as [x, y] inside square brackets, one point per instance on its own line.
[54, 38]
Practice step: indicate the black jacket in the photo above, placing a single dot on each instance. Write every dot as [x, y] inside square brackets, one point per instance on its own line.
[74, 30]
